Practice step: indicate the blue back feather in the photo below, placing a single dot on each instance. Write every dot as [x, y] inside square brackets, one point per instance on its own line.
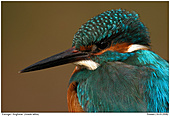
[157, 87]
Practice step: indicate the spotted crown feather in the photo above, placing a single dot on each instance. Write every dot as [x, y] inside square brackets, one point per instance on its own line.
[116, 26]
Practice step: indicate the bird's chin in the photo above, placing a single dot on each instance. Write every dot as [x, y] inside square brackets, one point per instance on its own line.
[88, 64]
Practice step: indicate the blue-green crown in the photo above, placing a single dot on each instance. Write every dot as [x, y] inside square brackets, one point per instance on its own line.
[116, 26]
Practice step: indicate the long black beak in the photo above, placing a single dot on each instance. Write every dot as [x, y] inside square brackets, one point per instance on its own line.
[68, 56]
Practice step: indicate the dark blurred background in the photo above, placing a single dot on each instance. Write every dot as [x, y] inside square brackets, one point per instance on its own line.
[32, 31]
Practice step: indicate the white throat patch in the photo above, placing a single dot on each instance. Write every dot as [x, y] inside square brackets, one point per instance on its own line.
[135, 47]
[89, 64]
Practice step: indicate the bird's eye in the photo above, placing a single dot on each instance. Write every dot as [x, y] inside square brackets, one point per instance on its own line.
[102, 45]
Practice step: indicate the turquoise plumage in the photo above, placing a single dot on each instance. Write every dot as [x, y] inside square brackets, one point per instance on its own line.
[116, 70]
[157, 86]
[138, 84]
[115, 25]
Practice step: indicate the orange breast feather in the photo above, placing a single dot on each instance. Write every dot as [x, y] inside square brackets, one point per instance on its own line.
[72, 99]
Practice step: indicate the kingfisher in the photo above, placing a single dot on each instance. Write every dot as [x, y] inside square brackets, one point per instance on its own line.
[116, 70]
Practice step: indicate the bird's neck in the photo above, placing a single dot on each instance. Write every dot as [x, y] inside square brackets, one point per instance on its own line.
[146, 58]
[110, 56]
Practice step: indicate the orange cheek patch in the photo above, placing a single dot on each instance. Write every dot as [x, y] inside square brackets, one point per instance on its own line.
[122, 48]
[85, 48]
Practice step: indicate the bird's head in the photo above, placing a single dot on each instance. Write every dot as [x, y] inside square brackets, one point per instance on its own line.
[110, 36]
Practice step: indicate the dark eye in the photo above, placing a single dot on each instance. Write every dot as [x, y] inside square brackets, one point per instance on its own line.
[102, 45]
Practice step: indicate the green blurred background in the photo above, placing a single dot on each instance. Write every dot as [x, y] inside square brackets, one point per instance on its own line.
[32, 31]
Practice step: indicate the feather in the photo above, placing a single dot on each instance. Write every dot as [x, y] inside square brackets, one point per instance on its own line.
[130, 86]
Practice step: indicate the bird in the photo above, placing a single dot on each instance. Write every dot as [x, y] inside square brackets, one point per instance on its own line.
[115, 67]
